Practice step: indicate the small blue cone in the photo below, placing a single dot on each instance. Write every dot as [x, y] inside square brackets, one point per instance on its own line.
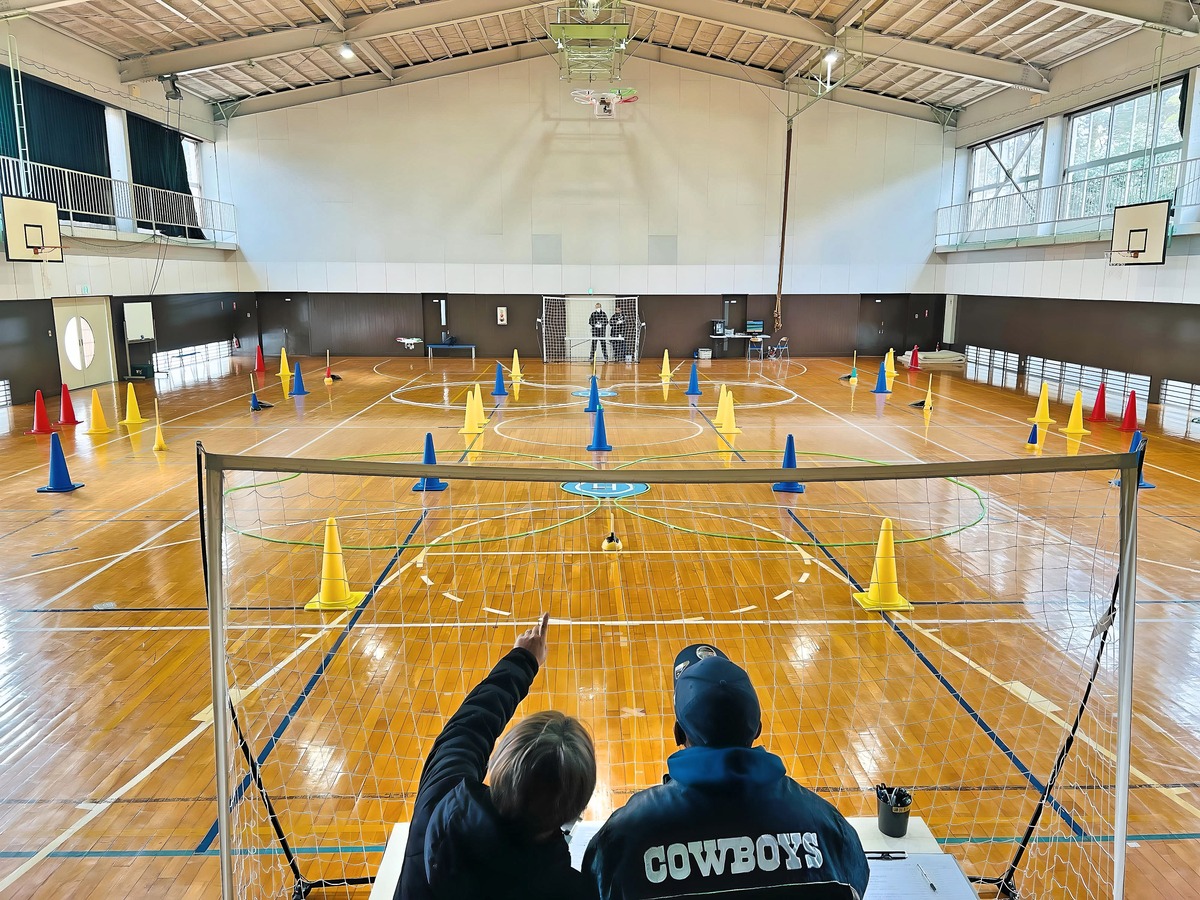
[599, 435]
[1135, 445]
[789, 462]
[60, 478]
[1033, 437]
[693, 389]
[881, 382]
[854, 372]
[429, 459]
[593, 404]
[498, 390]
[297, 384]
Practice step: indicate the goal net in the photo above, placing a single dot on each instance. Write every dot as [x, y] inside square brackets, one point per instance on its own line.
[992, 692]
[575, 329]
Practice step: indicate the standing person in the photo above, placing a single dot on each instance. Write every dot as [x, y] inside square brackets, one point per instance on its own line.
[728, 822]
[616, 330]
[599, 323]
[503, 840]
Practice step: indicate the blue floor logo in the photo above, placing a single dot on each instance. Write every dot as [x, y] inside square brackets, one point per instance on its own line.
[604, 491]
[600, 393]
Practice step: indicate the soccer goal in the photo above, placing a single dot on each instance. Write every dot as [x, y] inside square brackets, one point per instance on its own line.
[991, 674]
[574, 329]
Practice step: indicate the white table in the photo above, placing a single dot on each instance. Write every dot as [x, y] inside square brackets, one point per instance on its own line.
[897, 878]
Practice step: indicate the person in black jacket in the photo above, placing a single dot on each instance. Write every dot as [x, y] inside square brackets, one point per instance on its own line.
[727, 821]
[471, 841]
[599, 324]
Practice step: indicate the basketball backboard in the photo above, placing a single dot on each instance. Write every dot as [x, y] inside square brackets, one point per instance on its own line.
[31, 231]
[1139, 235]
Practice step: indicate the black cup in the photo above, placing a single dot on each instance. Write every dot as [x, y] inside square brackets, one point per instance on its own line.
[893, 820]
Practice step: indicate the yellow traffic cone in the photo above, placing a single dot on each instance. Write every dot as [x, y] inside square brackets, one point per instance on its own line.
[1075, 421]
[335, 590]
[665, 374]
[481, 419]
[97, 424]
[729, 426]
[1042, 415]
[884, 592]
[929, 396]
[719, 418]
[516, 369]
[133, 415]
[284, 371]
[159, 443]
[470, 424]
[889, 364]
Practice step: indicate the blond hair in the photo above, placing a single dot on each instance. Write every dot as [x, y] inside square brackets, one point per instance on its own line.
[543, 772]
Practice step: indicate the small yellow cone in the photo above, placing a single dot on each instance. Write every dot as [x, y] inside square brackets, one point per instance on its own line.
[1042, 415]
[284, 371]
[470, 424]
[335, 590]
[481, 418]
[884, 592]
[929, 396]
[516, 369]
[665, 374]
[97, 424]
[729, 426]
[889, 364]
[1075, 421]
[160, 444]
[133, 415]
[719, 418]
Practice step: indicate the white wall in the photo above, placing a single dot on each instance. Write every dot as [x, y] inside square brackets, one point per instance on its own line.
[443, 186]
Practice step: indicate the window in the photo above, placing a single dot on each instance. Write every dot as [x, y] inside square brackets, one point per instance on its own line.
[1124, 152]
[992, 366]
[1066, 378]
[5, 392]
[1006, 165]
[187, 356]
[191, 160]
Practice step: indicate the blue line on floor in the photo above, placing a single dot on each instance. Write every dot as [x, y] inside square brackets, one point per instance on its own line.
[316, 677]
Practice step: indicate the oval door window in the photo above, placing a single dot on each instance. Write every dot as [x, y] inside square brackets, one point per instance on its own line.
[79, 343]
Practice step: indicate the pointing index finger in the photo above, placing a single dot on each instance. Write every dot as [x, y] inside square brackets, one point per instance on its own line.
[544, 624]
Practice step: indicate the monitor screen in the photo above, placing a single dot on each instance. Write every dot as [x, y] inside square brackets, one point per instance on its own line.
[754, 326]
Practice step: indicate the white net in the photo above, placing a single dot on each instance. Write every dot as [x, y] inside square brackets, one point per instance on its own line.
[580, 328]
[966, 698]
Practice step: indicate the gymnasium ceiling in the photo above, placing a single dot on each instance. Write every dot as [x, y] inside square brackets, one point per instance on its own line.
[915, 57]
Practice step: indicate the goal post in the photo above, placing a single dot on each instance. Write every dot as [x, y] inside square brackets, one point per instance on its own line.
[575, 328]
[999, 692]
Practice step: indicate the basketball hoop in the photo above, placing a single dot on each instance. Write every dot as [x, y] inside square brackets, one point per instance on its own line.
[45, 249]
[1121, 257]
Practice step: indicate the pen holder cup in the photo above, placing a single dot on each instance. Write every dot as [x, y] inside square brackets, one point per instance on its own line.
[893, 820]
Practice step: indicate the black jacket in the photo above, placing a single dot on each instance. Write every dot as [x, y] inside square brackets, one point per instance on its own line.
[458, 846]
[727, 823]
[599, 321]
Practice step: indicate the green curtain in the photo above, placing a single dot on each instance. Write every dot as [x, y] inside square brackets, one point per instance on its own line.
[156, 160]
[64, 129]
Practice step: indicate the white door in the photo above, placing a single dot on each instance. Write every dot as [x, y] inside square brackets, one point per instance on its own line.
[83, 329]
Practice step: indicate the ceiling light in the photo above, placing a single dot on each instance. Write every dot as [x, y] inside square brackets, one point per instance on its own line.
[831, 57]
[346, 51]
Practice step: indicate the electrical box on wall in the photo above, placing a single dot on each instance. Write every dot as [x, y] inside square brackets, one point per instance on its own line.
[501, 315]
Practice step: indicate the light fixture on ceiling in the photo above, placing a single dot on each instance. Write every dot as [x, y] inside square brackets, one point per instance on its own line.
[346, 51]
[170, 85]
[831, 56]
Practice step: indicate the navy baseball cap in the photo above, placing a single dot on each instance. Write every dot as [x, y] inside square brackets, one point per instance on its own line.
[715, 703]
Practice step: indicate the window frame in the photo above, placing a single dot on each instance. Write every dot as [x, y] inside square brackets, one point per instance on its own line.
[1014, 184]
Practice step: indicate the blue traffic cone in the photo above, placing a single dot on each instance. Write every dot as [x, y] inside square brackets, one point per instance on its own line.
[1033, 437]
[593, 403]
[881, 383]
[297, 384]
[1137, 445]
[255, 406]
[60, 478]
[429, 459]
[789, 462]
[693, 388]
[599, 435]
[498, 390]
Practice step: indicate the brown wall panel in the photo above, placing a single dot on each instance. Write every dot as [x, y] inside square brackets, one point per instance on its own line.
[364, 324]
[28, 352]
[180, 320]
[1156, 339]
[821, 325]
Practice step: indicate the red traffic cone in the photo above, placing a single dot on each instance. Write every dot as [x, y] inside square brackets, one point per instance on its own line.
[914, 361]
[1129, 422]
[66, 412]
[41, 420]
[1098, 413]
[260, 364]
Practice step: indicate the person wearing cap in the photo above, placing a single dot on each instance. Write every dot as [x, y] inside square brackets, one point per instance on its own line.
[501, 840]
[727, 821]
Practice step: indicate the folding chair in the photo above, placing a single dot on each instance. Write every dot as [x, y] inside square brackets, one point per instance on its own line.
[781, 349]
[754, 345]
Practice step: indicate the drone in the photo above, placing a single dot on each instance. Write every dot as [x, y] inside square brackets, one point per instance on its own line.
[410, 343]
[604, 103]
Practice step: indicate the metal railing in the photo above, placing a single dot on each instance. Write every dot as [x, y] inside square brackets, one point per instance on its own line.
[1078, 208]
[93, 201]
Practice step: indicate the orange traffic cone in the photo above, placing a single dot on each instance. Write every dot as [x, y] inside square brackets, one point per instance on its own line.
[1098, 412]
[335, 590]
[260, 364]
[1129, 422]
[41, 419]
[914, 361]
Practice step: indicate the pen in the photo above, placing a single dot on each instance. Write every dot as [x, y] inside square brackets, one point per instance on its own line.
[925, 875]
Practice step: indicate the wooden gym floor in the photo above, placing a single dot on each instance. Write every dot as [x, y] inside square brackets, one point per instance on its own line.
[106, 784]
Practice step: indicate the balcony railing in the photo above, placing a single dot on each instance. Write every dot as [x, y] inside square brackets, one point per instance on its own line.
[93, 201]
[1080, 209]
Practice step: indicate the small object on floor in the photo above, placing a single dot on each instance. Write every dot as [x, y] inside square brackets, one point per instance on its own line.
[611, 544]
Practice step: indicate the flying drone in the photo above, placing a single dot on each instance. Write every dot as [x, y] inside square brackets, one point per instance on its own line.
[604, 103]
